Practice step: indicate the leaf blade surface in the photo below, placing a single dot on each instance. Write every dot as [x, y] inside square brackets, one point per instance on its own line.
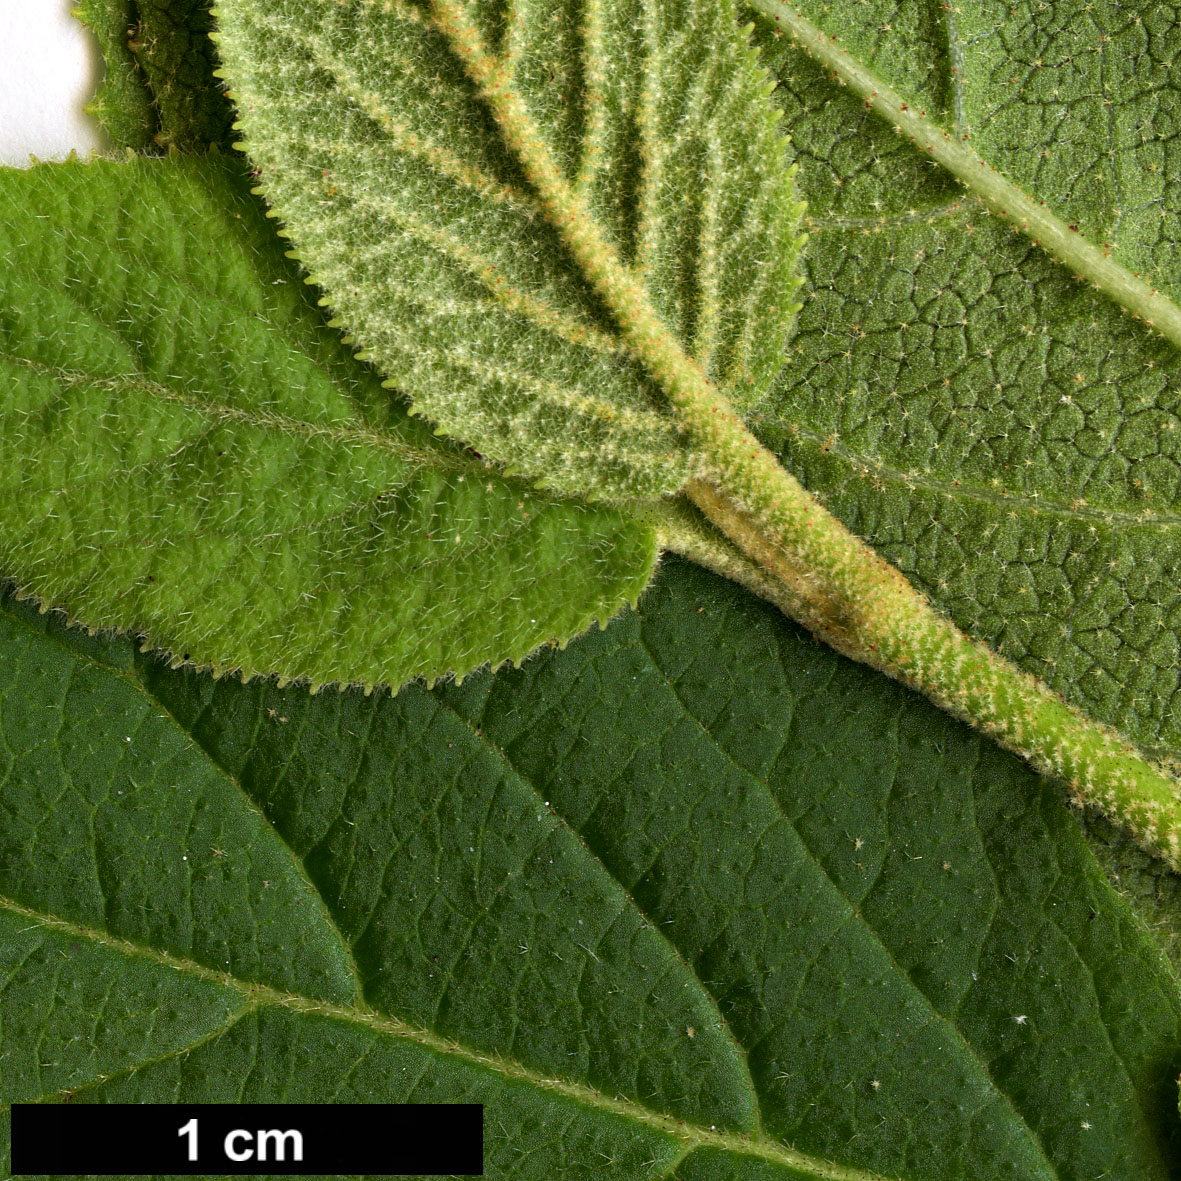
[405, 192]
[950, 383]
[670, 885]
[184, 438]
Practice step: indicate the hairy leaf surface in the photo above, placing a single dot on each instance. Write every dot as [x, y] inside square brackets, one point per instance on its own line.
[1002, 431]
[408, 202]
[189, 453]
[691, 899]
[668, 902]
[158, 90]
[123, 104]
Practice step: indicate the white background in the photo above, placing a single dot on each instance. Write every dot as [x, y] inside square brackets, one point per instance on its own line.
[49, 69]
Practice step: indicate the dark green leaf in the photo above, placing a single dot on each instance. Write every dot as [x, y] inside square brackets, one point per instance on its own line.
[667, 902]
[1003, 432]
[159, 90]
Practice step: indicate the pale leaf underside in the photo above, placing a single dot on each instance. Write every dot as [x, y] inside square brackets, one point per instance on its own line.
[395, 183]
[693, 899]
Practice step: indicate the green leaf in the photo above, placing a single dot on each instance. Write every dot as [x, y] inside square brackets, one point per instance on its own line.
[190, 454]
[158, 90]
[693, 898]
[123, 104]
[669, 902]
[1136, 874]
[405, 194]
[995, 427]
[423, 154]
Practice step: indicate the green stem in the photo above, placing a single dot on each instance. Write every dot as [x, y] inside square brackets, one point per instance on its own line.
[868, 611]
[681, 529]
[830, 580]
[1090, 262]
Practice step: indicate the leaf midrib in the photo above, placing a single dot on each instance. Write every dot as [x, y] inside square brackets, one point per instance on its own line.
[447, 167]
[1091, 263]
[259, 997]
[263, 420]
